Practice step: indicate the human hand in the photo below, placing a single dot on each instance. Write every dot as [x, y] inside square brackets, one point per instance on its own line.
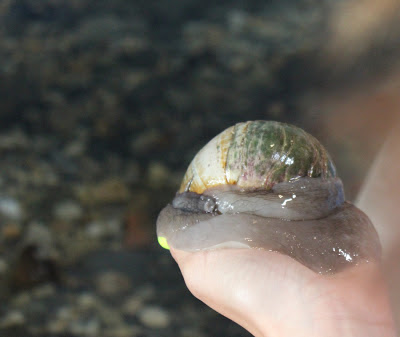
[270, 294]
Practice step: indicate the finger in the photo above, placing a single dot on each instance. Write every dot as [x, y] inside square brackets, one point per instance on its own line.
[256, 289]
[379, 198]
[270, 294]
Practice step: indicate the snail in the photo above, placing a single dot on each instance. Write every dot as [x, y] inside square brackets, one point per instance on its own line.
[272, 186]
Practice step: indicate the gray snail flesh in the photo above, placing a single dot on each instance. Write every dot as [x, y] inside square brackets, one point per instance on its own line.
[272, 186]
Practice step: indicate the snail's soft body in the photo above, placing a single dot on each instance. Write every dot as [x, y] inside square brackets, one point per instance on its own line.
[272, 186]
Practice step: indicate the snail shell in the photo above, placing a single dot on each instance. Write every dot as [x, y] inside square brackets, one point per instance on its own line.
[268, 185]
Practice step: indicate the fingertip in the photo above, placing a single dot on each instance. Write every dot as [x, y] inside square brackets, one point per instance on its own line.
[210, 277]
[191, 266]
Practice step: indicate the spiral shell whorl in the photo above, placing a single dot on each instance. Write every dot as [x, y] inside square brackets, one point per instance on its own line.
[257, 154]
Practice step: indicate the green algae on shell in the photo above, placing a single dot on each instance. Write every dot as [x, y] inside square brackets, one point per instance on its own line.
[257, 154]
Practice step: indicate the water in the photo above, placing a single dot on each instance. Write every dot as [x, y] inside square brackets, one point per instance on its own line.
[102, 107]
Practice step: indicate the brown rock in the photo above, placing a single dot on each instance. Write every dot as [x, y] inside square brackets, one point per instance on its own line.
[138, 231]
[11, 231]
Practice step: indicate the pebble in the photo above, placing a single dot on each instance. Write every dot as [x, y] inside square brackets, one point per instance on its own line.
[68, 210]
[154, 317]
[158, 174]
[11, 231]
[35, 260]
[87, 301]
[137, 230]
[86, 327]
[135, 302]
[11, 208]
[44, 291]
[112, 283]
[200, 36]
[191, 332]
[57, 326]
[39, 236]
[146, 292]
[109, 191]
[42, 174]
[82, 318]
[14, 140]
[109, 316]
[134, 79]
[122, 331]
[132, 173]
[132, 305]
[146, 141]
[22, 299]
[96, 230]
[75, 148]
[104, 228]
[65, 313]
[12, 318]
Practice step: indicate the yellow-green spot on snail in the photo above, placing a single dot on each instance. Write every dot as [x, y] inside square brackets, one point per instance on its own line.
[268, 185]
[163, 242]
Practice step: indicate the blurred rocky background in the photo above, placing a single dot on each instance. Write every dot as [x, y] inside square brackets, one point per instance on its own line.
[104, 103]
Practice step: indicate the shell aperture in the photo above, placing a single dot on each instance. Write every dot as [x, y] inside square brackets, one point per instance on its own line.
[272, 186]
